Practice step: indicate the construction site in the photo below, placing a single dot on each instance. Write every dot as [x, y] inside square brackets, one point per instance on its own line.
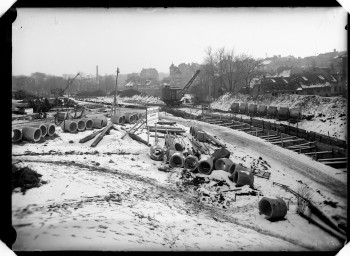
[225, 151]
[107, 173]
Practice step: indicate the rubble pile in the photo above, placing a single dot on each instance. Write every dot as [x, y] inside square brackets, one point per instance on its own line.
[25, 178]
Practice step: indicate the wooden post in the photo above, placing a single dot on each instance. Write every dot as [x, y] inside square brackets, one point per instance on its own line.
[268, 135]
[281, 140]
[297, 129]
[147, 134]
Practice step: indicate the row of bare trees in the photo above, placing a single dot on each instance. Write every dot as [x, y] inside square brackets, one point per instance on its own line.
[225, 71]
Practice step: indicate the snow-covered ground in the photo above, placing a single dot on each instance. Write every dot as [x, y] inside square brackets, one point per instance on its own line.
[114, 197]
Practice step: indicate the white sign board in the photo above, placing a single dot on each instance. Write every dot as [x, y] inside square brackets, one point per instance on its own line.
[152, 115]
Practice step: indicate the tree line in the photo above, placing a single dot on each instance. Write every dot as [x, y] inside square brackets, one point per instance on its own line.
[225, 71]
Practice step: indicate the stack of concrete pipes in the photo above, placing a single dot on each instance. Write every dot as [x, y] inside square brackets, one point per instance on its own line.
[125, 118]
[282, 113]
[73, 125]
[33, 132]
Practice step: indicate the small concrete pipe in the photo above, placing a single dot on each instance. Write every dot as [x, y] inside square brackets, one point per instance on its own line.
[237, 167]
[42, 127]
[273, 209]
[16, 135]
[117, 119]
[205, 164]
[242, 177]
[69, 126]
[191, 162]
[223, 164]
[31, 134]
[156, 152]
[176, 159]
[129, 117]
[89, 124]
[201, 136]
[81, 125]
[50, 128]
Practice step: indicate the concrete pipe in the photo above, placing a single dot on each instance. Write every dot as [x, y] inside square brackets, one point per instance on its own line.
[242, 177]
[272, 111]
[81, 125]
[31, 134]
[89, 124]
[273, 209]
[117, 119]
[252, 108]
[50, 128]
[201, 136]
[97, 123]
[136, 117]
[69, 126]
[243, 107]
[205, 164]
[223, 164]
[156, 152]
[262, 110]
[237, 167]
[235, 107]
[191, 162]
[178, 147]
[129, 118]
[176, 160]
[16, 135]
[42, 127]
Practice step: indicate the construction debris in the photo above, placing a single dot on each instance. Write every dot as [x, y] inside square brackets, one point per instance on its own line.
[25, 178]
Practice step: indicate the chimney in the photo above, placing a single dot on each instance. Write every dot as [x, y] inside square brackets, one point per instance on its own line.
[97, 80]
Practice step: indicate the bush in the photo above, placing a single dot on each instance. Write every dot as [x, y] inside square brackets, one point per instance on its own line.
[23, 95]
[304, 191]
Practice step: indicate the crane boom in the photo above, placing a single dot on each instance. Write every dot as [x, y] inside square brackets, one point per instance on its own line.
[184, 90]
[70, 81]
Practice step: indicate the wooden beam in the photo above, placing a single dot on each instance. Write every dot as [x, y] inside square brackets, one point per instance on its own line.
[319, 153]
[91, 136]
[333, 159]
[284, 141]
[99, 138]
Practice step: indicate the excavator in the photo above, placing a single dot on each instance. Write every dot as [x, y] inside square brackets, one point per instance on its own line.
[172, 95]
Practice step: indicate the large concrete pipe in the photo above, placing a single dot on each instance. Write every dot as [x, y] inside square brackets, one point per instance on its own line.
[136, 117]
[42, 127]
[50, 128]
[16, 135]
[156, 152]
[235, 107]
[97, 123]
[295, 113]
[129, 117]
[201, 136]
[243, 107]
[117, 119]
[81, 125]
[176, 159]
[69, 126]
[89, 124]
[223, 164]
[205, 164]
[252, 109]
[262, 110]
[272, 111]
[191, 162]
[31, 134]
[242, 177]
[273, 209]
[283, 113]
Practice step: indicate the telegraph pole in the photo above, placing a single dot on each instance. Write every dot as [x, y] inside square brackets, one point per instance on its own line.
[115, 94]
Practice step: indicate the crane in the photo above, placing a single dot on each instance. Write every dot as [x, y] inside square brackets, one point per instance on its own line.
[58, 92]
[172, 95]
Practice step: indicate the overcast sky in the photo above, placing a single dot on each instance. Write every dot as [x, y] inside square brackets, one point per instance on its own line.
[66, 41]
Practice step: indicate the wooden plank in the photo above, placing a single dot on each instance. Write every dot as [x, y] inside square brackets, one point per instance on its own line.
[335, 162]
[243, 129]
[91, 136]
[285, 141]
[319, 153]
[300, 149]
[99, 138]
[304, 144]
[333, 159]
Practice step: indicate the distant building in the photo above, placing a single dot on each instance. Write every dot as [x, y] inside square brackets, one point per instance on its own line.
[303, 83]
[175, 76]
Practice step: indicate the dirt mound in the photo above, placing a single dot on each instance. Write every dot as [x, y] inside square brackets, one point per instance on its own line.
[25, 178]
